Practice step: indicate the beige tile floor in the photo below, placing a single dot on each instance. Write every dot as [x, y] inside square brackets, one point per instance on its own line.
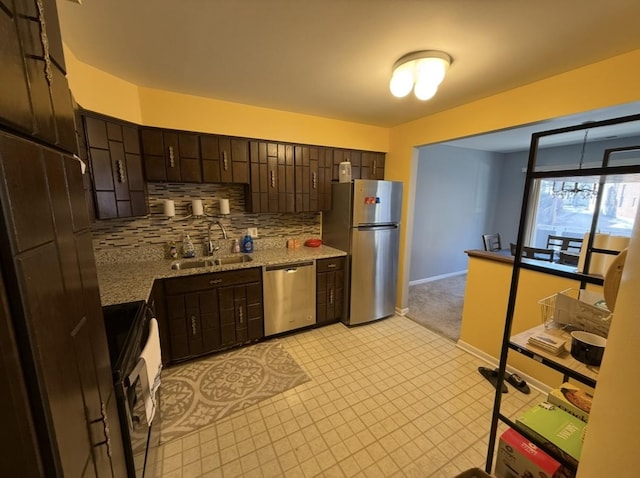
[386, 399]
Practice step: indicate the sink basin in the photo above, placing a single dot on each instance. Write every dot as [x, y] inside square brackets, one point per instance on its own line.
[191, 264]
[221, 261]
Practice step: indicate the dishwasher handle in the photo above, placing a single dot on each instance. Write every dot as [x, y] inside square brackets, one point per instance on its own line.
[291, 267]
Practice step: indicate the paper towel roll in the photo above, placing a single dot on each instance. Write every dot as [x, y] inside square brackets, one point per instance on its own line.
[196, 207]
[169, 208]
[224, 206]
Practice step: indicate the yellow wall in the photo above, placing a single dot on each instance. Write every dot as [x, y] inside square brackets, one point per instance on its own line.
[102, 92]
[98, 91]
[485, 308]
[607, 83]
[193, 113]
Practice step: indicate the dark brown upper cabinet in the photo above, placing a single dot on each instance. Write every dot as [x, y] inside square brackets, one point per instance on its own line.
[113, 146]
[372, 165]
[224, 159]
[307, 183]
[172, 156]
[272, 177]
[34, 93]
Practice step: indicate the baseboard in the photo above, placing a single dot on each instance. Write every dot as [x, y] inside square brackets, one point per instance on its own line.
[533, 383]
[402, 312]
[431, 279]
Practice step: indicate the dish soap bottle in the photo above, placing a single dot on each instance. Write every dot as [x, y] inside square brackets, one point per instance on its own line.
[247, 244]
[187, 248]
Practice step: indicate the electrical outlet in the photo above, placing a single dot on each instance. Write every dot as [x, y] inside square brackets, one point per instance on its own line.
[253, 231]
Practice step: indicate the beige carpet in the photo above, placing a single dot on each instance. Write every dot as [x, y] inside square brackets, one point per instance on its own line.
[198, 393]
[438, 305]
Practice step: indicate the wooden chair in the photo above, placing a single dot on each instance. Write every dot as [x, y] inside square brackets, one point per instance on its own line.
[561, 243]
[570, 259]
[491, 242]
[538, 253]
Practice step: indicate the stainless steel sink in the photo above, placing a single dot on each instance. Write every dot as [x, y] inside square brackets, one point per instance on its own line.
[221, 261]
[191, 264]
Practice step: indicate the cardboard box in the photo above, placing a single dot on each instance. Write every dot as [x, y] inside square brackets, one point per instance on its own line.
[572, 399]
[473, 473]
[556, 429]
[519, 458]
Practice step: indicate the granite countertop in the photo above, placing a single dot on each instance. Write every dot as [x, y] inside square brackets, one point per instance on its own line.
[131, 281]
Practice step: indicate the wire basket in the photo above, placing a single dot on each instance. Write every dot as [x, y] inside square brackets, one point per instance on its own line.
[576, 309]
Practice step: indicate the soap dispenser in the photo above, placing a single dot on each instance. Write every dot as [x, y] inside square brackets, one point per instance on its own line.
[188, 250]
[247, 244]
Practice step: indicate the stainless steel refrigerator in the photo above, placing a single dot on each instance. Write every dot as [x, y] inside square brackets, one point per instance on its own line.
[364, 221]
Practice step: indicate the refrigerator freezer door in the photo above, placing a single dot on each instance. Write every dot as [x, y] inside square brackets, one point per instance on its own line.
[374, 271]
[376, 202]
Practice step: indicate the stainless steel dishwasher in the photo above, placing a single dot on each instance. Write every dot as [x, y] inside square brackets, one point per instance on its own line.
[289, 296]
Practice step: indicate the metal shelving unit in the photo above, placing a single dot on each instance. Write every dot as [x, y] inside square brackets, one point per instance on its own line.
[617, 164]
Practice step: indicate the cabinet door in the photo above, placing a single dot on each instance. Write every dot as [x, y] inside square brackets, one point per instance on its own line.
[189, 152]
[329, 289]
[116, 168]
[325, 166]
[15, 106]
[153, 155]
[177, 327]
[307, 160]
[272, 177]
[227, 316]
[210, 320]
[255, 314]
[51, 105]
[372, 166]
[224, 159]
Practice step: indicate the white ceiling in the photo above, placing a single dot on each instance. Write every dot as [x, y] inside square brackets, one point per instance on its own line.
[333, 58]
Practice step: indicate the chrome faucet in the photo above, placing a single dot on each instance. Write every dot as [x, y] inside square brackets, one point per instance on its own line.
[210, 247]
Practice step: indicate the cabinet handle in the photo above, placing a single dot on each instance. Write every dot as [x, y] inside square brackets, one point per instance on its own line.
[241, 318]
[273, 179]
[314, 182]
[193, 325]
[374, 167]
[45, 43]
[121, 172]
[331, 296]
[215, 281]
[172, 162]
[331, 266]
[225, 161]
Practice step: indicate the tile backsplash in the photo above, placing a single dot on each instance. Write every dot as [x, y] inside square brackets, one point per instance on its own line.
[156, 230]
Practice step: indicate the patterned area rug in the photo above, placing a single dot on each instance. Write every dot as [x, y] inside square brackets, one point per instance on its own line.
[198, 393]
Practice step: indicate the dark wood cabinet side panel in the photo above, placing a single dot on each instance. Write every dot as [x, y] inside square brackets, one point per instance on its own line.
[106, 204]
[79, 207]
[44, 119]
[63, 112]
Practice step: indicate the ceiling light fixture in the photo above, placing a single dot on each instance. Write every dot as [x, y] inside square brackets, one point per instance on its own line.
[572, 189]
[422, 71]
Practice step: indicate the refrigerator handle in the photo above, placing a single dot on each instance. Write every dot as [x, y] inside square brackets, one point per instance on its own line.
[377, 228]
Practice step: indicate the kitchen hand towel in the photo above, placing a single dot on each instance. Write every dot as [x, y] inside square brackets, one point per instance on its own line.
[153, 364]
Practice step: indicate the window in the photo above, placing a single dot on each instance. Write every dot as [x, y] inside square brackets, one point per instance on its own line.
[566, 208]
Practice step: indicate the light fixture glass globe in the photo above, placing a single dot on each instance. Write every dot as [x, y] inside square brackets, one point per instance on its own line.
[431, 70]
[401, 80]
[425, 90]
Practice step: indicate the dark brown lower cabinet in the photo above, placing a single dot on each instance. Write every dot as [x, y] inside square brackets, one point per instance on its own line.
[329, 289]
[52, 327]
[210, 312]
